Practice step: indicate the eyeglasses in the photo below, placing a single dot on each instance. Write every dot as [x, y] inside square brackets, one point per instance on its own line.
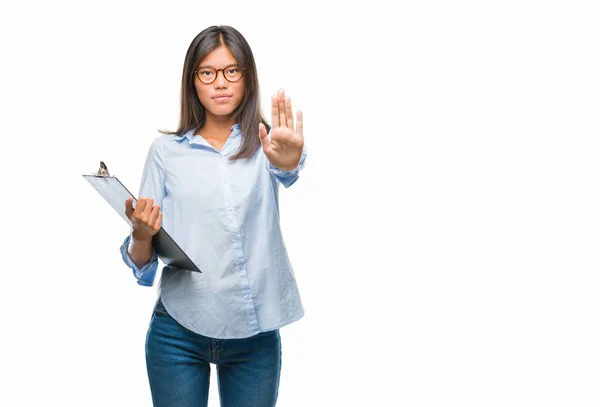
[232, 73]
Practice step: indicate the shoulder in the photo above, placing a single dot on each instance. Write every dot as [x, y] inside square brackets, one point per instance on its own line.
[156, 149]
[162, 141]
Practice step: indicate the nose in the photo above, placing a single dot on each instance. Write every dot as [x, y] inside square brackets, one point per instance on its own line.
[220, 81]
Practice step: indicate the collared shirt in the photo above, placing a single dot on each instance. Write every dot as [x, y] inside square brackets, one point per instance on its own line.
[224, 214]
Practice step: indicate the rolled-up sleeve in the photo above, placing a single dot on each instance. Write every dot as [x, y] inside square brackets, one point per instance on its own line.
[145, 275]
[288, 178]
[152, 186]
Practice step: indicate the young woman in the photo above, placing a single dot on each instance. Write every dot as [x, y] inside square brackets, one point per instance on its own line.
[213, 186]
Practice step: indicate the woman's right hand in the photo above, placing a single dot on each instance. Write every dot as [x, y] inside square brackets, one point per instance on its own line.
[146, 218]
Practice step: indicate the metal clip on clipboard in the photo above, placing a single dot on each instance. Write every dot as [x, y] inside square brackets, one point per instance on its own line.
[115, 193]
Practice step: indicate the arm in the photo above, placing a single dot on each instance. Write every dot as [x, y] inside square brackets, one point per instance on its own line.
[136, 250]
[144, 273]
[140, 250]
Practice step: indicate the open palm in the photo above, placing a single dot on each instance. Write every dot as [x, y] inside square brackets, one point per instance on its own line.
[284, 149]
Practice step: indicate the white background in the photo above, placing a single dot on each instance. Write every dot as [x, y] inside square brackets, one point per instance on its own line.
[444, 233]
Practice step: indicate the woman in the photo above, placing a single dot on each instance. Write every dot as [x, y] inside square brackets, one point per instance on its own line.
[216, 180]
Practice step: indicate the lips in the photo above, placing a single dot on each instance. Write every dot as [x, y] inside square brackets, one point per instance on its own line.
[221, 99]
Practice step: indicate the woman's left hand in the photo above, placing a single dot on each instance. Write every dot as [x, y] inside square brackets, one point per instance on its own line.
[284, 149]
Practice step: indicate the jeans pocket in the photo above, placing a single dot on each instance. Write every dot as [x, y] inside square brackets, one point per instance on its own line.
[159, 308]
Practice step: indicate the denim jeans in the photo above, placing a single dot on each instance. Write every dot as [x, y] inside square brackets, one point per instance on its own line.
[178, 362]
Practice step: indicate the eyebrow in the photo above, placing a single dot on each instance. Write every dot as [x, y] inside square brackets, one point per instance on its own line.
[210, 66]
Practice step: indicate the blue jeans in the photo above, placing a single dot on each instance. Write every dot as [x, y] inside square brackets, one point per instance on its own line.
[178, 362]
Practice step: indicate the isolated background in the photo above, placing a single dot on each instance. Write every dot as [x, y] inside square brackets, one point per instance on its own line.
[444, 232]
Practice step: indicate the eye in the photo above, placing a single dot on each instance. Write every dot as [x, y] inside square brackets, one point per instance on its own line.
[232, 70]
[205, 72]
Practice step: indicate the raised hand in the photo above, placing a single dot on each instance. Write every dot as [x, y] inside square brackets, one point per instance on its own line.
[285, 147]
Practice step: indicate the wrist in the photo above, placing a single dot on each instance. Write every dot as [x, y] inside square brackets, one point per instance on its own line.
[141, 238]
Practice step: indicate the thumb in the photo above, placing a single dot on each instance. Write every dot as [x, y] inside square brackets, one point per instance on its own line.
[129, 207]
[262, 135]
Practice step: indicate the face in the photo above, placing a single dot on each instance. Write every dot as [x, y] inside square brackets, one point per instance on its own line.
[221, 97]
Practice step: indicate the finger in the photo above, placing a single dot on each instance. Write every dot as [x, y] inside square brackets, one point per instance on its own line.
[139, 207]
[154, 215]
[129, 207]
[262, 135]
[281, 102]
[158, 223]
[148, 211]
[148, 207]
[274, 111]
[288, 113]
[299, 124]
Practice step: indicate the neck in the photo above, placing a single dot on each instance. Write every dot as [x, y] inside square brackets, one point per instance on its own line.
[218, 125]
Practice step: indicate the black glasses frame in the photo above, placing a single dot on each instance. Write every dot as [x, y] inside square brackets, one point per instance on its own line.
[217, 73]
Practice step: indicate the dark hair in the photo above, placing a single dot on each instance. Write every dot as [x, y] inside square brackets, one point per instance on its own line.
[248, 113]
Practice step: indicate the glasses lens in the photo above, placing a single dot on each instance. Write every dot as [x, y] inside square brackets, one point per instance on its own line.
[233, 73]
[206, 75]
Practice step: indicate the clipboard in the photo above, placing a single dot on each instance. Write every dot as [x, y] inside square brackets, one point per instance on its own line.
[115, 193]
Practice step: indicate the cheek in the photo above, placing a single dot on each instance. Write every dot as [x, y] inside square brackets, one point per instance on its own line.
[239, 93]
[203, 94]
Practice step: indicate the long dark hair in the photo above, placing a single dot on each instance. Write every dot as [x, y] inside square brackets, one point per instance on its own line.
[248, 113]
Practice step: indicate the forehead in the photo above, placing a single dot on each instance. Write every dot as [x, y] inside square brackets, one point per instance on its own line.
[219, 58]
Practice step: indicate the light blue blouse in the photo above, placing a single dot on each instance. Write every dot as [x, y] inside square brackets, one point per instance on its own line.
[225, 215]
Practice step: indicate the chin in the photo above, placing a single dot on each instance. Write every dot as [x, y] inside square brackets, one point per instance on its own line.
[222, 112]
